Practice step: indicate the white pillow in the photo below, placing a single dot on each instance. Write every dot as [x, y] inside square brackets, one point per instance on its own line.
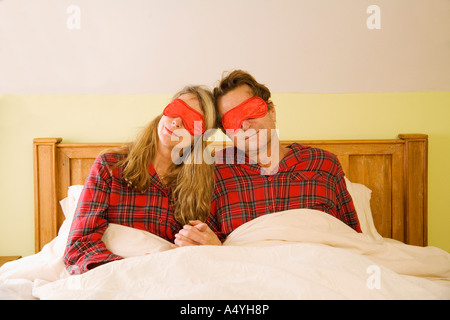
[69, 204]
[361, 199]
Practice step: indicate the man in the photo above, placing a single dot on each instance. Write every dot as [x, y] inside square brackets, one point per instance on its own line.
[259, 176]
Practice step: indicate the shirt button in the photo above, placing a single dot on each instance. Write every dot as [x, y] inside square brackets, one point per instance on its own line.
[269, 178]
[270, 207]
[160, 220]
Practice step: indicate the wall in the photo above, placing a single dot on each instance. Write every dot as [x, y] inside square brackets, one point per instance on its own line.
[91, 71]
[156, 46]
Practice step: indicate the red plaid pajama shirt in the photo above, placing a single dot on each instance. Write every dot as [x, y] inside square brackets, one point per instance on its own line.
[105, 199]
[306, 178]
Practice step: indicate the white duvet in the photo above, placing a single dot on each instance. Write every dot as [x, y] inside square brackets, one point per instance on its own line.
[297, 254]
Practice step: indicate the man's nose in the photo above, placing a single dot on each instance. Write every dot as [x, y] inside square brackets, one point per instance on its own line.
[245, 125]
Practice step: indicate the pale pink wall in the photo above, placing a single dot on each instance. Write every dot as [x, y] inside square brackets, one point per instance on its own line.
[143, 46]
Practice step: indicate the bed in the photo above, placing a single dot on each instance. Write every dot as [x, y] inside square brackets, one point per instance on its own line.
[306, 254]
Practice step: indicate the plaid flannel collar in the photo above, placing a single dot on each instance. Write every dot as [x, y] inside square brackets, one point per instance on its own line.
[233, 155]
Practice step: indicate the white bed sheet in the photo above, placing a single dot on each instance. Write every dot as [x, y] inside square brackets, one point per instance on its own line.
[297, 254]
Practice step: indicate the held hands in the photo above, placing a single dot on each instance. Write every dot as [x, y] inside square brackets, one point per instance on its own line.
[198, 233]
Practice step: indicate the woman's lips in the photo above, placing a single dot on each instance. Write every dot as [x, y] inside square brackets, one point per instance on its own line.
[170, 132]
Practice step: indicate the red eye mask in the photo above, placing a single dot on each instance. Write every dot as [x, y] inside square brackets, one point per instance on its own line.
[255, 107]
[179, 108]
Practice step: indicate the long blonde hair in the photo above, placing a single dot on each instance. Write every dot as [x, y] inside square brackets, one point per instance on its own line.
[191, 184]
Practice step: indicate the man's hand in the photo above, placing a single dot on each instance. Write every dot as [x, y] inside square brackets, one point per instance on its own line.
[198, 233]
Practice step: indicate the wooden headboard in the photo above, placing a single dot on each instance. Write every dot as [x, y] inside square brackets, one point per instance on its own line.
[395, 170]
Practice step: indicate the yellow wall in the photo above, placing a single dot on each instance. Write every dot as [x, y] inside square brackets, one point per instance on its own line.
[117, 118]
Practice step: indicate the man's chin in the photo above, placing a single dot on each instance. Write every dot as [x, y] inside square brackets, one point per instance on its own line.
[251, 147]
[252, 143]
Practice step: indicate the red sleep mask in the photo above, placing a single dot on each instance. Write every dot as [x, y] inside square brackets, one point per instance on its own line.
[255, 107]
[179, 108]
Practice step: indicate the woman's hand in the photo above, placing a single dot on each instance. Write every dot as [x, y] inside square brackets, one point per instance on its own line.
[198, 233]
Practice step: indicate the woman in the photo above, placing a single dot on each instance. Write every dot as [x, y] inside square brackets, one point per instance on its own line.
[140, 185]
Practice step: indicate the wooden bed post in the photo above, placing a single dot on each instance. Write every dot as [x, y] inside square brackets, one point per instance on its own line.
[45, 201]
[416, 187]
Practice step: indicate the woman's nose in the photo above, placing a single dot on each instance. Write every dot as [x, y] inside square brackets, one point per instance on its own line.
[177, 122]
